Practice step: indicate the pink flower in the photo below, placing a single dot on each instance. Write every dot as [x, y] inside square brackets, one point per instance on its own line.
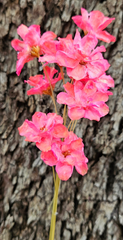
[32, 44]
[65, 155]
[41, 84]
[80, 57]
[94, 23]
[103, 83]
[84, 101]
[43, 129]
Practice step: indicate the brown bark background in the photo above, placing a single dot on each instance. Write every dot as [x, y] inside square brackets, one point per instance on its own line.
[89, 207]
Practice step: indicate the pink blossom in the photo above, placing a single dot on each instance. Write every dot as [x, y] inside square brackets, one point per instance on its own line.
[84, 101]
[43, 129]
[32, 44]
[41, 84]
[80, 57]
[65, 155]
[103, 83]
[95, 22]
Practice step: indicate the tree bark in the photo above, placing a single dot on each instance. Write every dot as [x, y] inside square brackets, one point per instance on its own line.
[89, 207]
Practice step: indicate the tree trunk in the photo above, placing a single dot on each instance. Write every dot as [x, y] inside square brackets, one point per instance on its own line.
[89, 207]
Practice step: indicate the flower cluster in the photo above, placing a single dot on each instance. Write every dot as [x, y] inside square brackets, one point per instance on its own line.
[85, 94]
[41, 84]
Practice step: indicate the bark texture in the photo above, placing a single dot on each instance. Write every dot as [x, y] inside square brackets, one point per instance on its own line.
[89, 207]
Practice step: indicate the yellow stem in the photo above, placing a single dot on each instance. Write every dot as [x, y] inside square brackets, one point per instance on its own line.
[65, 114]
[54, 177]
[54, 104]
[61, 69]
[71, 125]
[74, 125]
[54, 210]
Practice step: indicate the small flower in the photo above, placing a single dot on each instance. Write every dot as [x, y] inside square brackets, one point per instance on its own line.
[84, 101]
[43, 129]
[94, 22]
[102, 83]
[41, 84]
[65, 155]
[81, 58]
[32, 44]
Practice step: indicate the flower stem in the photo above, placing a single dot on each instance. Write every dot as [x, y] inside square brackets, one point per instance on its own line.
[53, 98]
[54, 210]
[61, 69]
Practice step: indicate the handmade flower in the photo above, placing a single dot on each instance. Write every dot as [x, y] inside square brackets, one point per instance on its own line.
[65, 155]
[80, 58]
[42, 83]
[43, 129]
[32, 44]
[84, 101]
[94, 22]
[102, 83]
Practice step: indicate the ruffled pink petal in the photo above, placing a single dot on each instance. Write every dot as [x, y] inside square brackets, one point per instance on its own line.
[19, 65]
[88, 43]
[18, 45]
[22, 31]
[64, 171]
[49, 158]
[77, 145]
[96, 18]
[34, 91]
[107, 80]
[64, 98]
[48, 58]
[92, 113]
[32, 38]
[45, 142]
[103, 110]
[59, 131]
[69, 88]
[101, 96]
[39, 119]
[81, 168]
[35, 28]
[95, 69]
[47, 36]
[76, 113]
[84, 14]
[90, 88]
[78, 72]
[105, 36]
[35, 80]
[29, 130]
[53, 119]
[56, 148]
[23, 57]
[106, 22]
[64, 60]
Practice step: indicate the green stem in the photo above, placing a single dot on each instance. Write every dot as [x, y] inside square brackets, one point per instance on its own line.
[54, 210]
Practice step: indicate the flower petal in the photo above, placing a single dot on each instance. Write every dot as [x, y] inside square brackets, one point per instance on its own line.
[64, 171]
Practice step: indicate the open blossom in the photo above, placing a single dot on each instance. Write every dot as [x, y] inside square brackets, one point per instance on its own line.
[84, 101]
[32, 44]
[81, 58]
[43, 129]
[41, 83]
[94, 22]
[102, 83]
[65, 155]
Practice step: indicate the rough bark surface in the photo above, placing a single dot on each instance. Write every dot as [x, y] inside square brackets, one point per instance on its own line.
[89, 207]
